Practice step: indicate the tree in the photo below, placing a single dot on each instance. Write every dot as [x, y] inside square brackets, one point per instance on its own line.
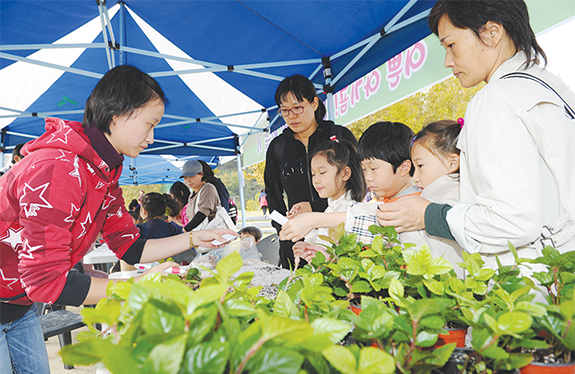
[445, 100]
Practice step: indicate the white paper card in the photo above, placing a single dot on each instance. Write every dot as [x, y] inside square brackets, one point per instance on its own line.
[228, 238]
[278, 217]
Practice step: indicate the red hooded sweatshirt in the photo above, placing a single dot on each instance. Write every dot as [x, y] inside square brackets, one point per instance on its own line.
[54, 203]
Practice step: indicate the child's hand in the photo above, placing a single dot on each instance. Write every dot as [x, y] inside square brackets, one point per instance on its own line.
[298, 227]
[406, 214]
[299, 208]
[308, 251]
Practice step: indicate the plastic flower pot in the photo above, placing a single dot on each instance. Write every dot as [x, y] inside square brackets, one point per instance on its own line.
[454, 335]
[355, 308]
[541, 368]
[459, 357]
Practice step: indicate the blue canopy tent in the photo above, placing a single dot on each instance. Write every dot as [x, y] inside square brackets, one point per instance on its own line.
[219, 62]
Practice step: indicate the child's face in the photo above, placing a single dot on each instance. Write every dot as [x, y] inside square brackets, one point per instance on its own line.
[428, 166]
[326, 180]
[381, 179]
[130, 135]
[248, 240]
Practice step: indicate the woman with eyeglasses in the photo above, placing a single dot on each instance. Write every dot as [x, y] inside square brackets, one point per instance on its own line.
[287, 159]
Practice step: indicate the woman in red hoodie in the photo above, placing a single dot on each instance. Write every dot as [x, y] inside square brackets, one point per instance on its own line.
[63, 194]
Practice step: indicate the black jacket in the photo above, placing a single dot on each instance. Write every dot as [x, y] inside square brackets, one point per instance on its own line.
[291, 173]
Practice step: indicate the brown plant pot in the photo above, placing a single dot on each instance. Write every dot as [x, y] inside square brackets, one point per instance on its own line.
[541, 368]
[455, 335]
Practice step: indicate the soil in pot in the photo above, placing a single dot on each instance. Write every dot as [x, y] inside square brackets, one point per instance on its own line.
[545, 362]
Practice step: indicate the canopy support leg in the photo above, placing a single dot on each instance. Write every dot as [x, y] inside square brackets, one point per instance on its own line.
[241, 185]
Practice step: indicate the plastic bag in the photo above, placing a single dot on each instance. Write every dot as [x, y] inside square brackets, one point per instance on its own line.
[245, 247]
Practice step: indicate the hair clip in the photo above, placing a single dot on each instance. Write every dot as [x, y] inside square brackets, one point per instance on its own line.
[413, 141]
[460, 121]
[333, 138]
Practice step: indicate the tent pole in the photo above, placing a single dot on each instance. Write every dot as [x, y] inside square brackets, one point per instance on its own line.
[241, 185]
[327, 88]
[122, 30]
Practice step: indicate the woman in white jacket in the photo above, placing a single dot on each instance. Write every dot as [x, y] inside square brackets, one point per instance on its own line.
[517, 176]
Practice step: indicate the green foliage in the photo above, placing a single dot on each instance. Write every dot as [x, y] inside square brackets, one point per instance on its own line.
[160, 325]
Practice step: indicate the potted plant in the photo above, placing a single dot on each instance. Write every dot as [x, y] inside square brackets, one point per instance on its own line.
[161, 325]
[557, 325]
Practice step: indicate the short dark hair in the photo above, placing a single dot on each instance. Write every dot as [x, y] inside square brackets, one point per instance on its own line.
[16, 152]
[180, 192]
[386, 141]
[342, 153]
[159, 205]
[474, 14]
[121, 91]
[207, 172]
[254, 231]
[302, 88]
[133, 204]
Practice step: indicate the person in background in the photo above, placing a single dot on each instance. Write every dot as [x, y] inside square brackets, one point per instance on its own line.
[16, 155]
[60, 197]
[251, 231]
[204, 200]
[287, 158]
[181, 194]
[155, 212]
[517, 180]
[263, 199]
[223, 193]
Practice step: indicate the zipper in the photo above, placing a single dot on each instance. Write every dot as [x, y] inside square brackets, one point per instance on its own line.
[309, 174]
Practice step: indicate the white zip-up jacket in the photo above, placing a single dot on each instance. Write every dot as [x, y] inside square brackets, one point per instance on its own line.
[517, 166]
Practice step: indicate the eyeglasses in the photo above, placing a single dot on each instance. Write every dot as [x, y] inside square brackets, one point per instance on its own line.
[295, 110]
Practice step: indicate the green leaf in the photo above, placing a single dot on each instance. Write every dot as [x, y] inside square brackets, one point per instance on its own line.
[167, 356]
[207, 358]
[239, 308]
[361, 287]
[160, 321]
[433, 322]
[121, 289]
[341, 358]
[495, 352]
[519, 360]
[377, 245]
[288, 330]
[434, 286]
[533, 309]
[373, 360]
[275, 360]
[228, 266]
[107, 311]
[567, 309]
[441, 355]
[204, 296]
[515, 322]
[335, 329]
[426, 338]
[396, 289]
[284, 306]
[422, 262]
[484, 274]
